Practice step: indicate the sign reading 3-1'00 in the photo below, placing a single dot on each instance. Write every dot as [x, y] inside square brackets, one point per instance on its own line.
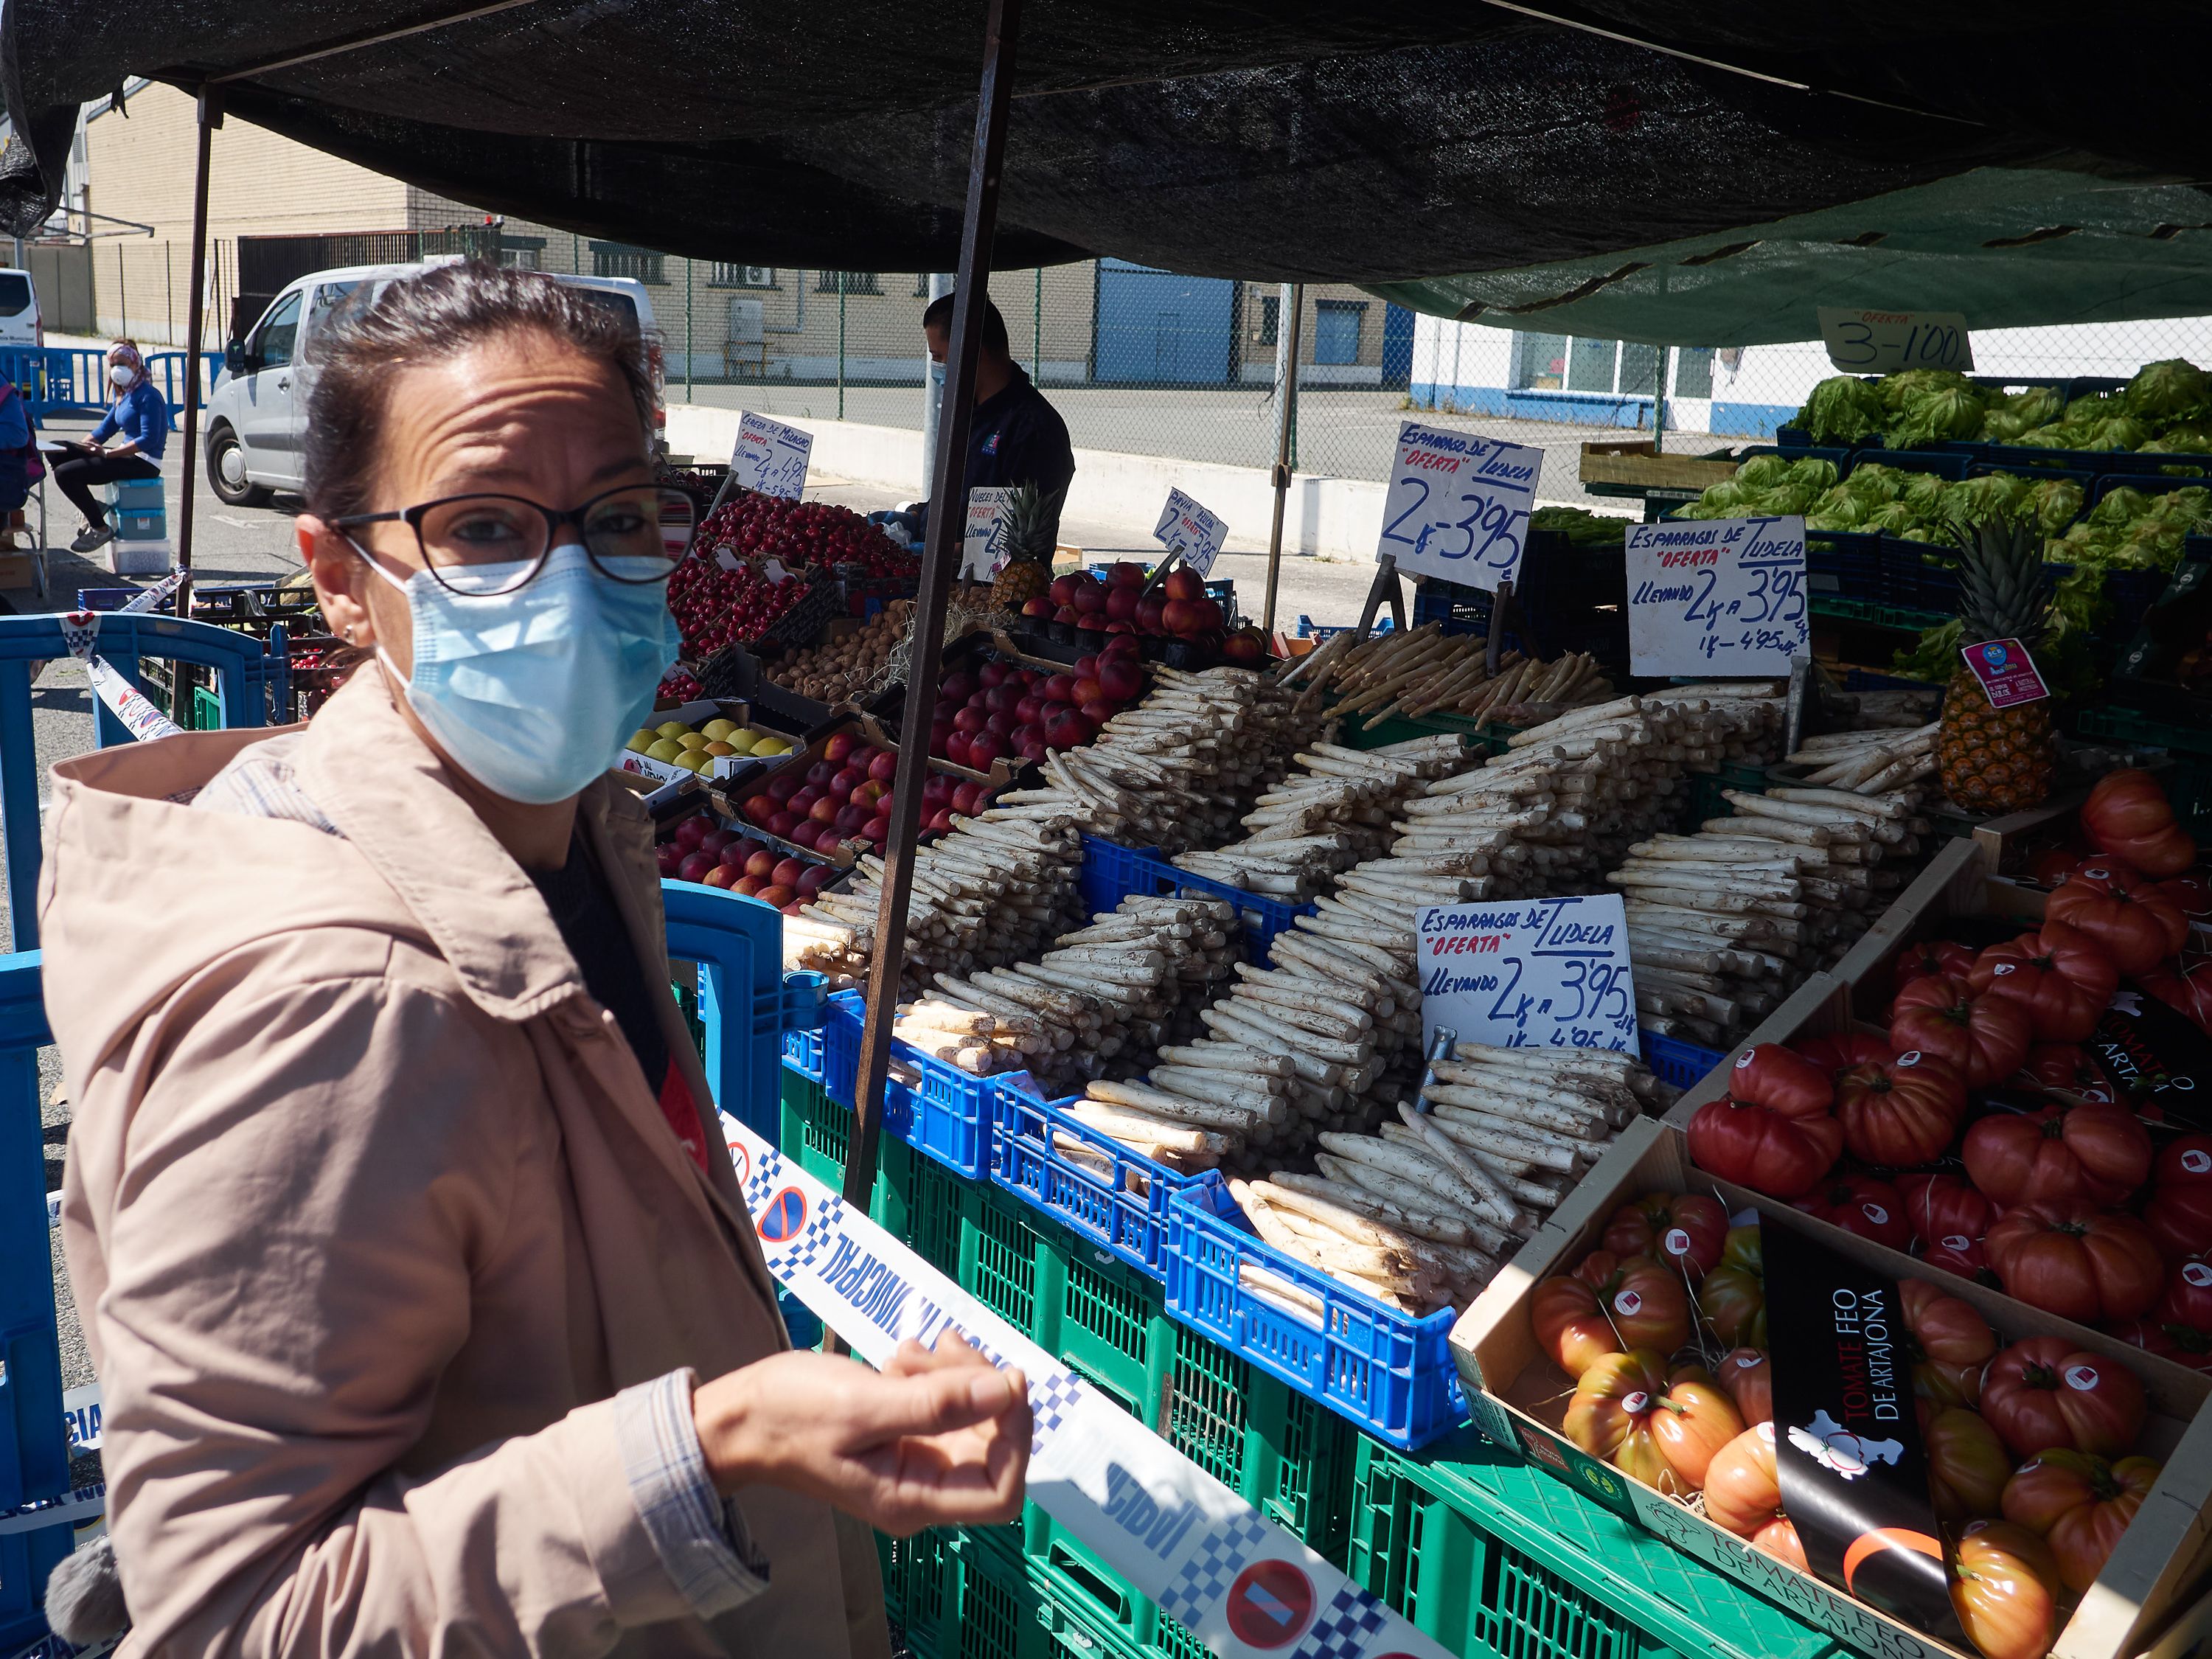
[1458, 505]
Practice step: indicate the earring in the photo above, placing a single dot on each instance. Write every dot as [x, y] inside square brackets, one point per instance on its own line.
[348, 633]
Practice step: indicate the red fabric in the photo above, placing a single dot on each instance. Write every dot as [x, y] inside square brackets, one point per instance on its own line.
[682, 1115]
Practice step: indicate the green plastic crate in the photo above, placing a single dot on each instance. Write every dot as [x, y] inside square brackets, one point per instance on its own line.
[1497, 1560]
[961, 1595]
[916, 1201]
[1399, 728]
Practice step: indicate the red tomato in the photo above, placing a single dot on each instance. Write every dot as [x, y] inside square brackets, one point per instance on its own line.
[2045, 1392]
[2004, 1588]
[2077, 1262]
[1984, 1038]
[1779, 1539]
[2188, 993]
[1970, 1262]
[1948, 1341]
[1767, 1074]
[1900, 1112]
[1610, 1414]
[1694, 1420]
[2064, 1068]
[2188, 1299]
[2062, 977]
[1942, 956]
[1742, 1494]
[1638, 1303]
[2096, 1152]
[1683, 1229]
[2052, 864]
[1757, 1147]
[1734, 1302]
[1834, 1054]
[2128, 815]
[1942, 1210]
[2180, 1213]
[2185, 1345]
[1864, 1205]
[2137, 926]
[1749, 1380]
[2079, 1504]
[1967, 1468]
[2192, 891]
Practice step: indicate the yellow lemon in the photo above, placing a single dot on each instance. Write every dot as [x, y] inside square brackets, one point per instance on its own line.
[719, 730]
[694, 760]
[692, 740]
[741, 742]
[643, 740]
[667, 749]
[671, 728]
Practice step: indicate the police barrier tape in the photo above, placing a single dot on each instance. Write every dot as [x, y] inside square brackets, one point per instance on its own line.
[1241, 1584]
[129, 705]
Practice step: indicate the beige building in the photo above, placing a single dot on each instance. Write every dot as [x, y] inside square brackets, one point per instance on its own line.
[277, 209]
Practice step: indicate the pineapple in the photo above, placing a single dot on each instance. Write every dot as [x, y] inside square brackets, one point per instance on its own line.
[1031, 517]
[1997, 760]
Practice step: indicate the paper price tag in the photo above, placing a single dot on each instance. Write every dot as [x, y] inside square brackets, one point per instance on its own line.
[2009, 675]
[1530, 974]
[983, 546]
[1723, 596]
[771, 457]
[1458, 505]
[1187, 528]
[1884, 341]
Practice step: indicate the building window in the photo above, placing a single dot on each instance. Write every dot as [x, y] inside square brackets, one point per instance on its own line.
[1539, 362]
[921, 285]
[522, 252]
[1337, 324]
[723, 274]
[1694, 372]
[1271, 319]
[1556, 363]
[856, 281]
[621, 259]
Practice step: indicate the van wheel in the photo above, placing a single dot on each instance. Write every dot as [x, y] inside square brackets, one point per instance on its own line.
[226, 464]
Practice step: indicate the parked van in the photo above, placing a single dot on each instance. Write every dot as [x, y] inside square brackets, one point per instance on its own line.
[256, 416]
[20, 325]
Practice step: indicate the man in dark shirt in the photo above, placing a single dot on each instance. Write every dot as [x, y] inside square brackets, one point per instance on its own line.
[1016, 437]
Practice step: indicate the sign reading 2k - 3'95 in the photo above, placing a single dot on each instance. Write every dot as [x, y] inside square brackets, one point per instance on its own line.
[1458, 505]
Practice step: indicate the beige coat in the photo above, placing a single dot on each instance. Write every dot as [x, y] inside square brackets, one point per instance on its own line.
[368, 1214]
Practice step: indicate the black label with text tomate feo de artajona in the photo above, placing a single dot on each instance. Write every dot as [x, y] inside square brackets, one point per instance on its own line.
[2158, 1061]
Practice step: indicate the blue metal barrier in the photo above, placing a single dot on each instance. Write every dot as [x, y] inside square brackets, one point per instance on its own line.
[249, 674]
[73, 379]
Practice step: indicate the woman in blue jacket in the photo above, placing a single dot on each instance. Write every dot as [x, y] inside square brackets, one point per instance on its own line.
[138, 423]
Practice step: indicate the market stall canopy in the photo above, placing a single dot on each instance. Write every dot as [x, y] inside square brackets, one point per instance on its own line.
[1313, 139]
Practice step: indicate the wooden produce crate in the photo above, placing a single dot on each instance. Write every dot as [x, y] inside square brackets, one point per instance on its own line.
[1517, 1395]
[1635, 463]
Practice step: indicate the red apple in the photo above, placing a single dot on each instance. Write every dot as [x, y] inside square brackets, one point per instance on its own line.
[1001, 698]
[838, 747]
[696, 866]
[846, 782]
[1098, 711]
[1031, 678]
[1209, 613]
[1084, 689]
[784, 823]
[1122, 628]
[1183, 583]
[762, 862]
[670, 856]
[817, 876]
[776, 897]
[803, 802]
[1085, 667]
[1028, 710]
[763, 806]
[747, 886]
[956, 748]
[1034, 750]
[993, 673]
[1243, 647]
[783, 785]
[1120, 679]
[877, 830]
[745, 848]
[787, 872]
[1093, 624]
[819, 774]
[884, 767]
[1002, 724]
[1122, 602]
[863, 756]
[937, 787]
[1068, 730]
[1067, 613]
[1119, 648]
[870, 792]
[851, 816]
[966, 798]
[1151, 615]
[1040, 609]
[1061, 687]
[1125, 573]
[1090, 599]
[716, 839]
[984, 748]
[970, 720]
[692, 831]
[1177, 616]
[721, 876]
[825, 811]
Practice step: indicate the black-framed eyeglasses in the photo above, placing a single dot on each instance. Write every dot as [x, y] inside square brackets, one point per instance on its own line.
[481, 545]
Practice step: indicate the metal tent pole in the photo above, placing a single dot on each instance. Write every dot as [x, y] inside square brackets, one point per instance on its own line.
[940, 559]
[933, 389]
[690, 350]
[841, 285]
[1288, 307]
[210, 118]
[1659, 402]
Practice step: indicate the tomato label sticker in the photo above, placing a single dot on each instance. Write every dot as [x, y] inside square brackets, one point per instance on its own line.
[1957, 1241]
[2196, 1273]
[1911, 1057]
[2000, 970]
[2195, 1161]
[1678, 1242]
[1628, 1301]
[1875, 1213]
[2083, 1377]
[1635, 1402]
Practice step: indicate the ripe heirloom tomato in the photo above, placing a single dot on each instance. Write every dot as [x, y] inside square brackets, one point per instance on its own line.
[1832, 1053]
[1681, 1229]
[2096, 1152]
[2192, 891]
[1749, 1380]
[2128, 815]
[2180, 1213]
[2044, 1393]
[2185, 1345]
[2079, 1504]
[1967, 1258]
[1610, 1414]
[2004, 1588]
[1967, 1468]
[1779, 1539]
[1733, 1298]
[1940, 957]
[1982, 1038]
[1757, 1147]
[1767, 1074]
[2062, 977]
[1942, 1208]
[1605, 1306]
[1949, 1341]
[2188, 993]
[1742, 1494]
[1694, 1420]
[1864, 1205]
[2137, 926]
[2188, 1296]
[1900, 1112]
[2062, 1068]
[2077, 1262]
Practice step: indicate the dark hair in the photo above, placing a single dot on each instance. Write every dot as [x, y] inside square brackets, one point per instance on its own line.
[427, 319]
[940, 316]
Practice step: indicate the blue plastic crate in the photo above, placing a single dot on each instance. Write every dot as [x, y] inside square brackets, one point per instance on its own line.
[738, 945]
[1310, 629]
[948, 1116]
[803, 1051]
[1125, 1211]
[1111, 872]
[1675, 1063]
[1391, 1374]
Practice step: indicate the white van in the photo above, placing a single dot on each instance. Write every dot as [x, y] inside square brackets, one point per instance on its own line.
[256, 416]
[20, 325]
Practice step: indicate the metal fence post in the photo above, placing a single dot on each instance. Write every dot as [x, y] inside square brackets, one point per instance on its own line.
[841, 285]
[1288, 304]
[1659, 402]
[689, 391]
[1037, 331]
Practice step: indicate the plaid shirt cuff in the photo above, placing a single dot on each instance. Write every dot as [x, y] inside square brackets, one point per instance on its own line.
[700, 1538]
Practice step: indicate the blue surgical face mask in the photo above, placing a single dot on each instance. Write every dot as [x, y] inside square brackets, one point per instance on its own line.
[534, 692]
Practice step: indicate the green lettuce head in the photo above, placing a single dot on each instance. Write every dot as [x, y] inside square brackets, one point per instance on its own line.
[1842, 409]
[2115, 432]
[2123, 506]
[2056, 503]
[1991, 497]
[1938, 414]
[1874, 483]
[1924, 495]
[1762, 472]
[2174, 390]
[1813, 473]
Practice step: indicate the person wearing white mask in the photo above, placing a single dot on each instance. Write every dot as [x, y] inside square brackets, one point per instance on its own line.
[138, 427]
[420, 1282]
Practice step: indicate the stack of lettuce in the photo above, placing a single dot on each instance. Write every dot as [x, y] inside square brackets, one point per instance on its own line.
[2166, 409]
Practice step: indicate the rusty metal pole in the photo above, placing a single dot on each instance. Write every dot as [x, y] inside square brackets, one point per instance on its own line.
[210, 118]
[940, 561]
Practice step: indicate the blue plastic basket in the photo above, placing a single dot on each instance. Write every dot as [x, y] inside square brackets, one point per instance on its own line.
[738, 945]
[948, 1116]
[803, 1050]
[1111, 872]
[1125, 1213]
[1675, 1063]
[1391, 1374]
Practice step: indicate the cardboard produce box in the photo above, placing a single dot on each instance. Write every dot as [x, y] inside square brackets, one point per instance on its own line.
[736, 710]
[1518, 1396]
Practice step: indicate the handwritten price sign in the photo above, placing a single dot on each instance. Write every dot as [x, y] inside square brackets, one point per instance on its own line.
[1722, 596]
[1531, 974]
[983, 547]
[1884, 341]
[771, 457]
[1187, 528]
[1458, 505]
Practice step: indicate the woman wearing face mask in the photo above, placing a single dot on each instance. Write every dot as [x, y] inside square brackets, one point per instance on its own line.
[139, 426]
[420, 1287]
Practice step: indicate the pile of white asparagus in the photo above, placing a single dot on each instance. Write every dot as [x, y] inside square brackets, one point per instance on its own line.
[1426, 671]
[1109, 994]
[1872, 763]
[1335, 812]
[981, 1041]
[1725, 924]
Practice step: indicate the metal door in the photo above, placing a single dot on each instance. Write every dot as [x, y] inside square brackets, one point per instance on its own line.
[1155, 328]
